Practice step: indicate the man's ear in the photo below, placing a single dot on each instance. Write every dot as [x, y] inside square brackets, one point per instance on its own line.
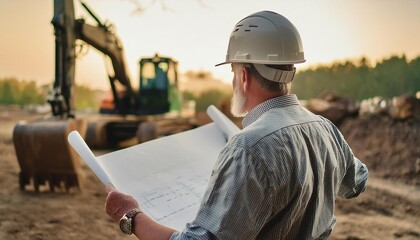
[245, 78]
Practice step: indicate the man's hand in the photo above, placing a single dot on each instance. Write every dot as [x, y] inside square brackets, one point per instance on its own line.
[117, 204]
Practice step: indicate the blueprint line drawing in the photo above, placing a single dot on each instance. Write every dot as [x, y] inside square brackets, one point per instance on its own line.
[168, 176]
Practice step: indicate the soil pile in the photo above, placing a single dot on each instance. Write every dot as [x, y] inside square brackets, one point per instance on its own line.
[389, 147]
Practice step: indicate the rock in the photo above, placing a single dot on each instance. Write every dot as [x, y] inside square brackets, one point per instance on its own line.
[335, 108]
[404, 107]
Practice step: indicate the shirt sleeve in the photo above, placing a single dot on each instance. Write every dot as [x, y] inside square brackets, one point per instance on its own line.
[192, 231]
[355, 179]
[355, 175]
[355, 172]
[236, 203]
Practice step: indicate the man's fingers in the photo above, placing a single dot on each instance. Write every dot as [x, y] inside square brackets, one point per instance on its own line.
[117, 203]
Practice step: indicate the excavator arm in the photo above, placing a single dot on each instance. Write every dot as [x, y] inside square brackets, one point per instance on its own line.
[41, 146]
[105, 41]
[67, 30]
[61, 96]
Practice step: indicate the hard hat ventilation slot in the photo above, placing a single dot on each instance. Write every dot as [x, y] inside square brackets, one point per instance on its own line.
[250, 26]
[238, 27]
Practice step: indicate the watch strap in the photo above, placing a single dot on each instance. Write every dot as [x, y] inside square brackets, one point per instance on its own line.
[127, 221]
[132, 213]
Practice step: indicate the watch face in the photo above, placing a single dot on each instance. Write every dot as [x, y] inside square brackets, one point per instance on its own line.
[125, 225]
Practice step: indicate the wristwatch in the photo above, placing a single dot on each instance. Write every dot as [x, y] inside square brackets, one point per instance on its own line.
[127, 221]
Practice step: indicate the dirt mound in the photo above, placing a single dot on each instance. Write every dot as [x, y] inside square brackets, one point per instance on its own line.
[383, 133]
[389, 147]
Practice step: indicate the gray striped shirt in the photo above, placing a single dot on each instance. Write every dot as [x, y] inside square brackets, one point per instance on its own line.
[278, 178]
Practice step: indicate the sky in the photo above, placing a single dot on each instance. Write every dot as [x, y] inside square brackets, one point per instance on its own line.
[196, 33]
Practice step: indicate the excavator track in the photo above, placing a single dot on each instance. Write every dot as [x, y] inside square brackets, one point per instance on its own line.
[44, 155]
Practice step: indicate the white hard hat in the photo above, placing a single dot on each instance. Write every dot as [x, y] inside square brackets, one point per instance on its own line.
[265, 38]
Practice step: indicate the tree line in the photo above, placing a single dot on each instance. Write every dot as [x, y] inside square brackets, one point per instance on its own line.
[18, 92]
[359, 80]
[21, 93]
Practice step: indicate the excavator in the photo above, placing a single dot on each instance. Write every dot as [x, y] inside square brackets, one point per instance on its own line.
[154, 110]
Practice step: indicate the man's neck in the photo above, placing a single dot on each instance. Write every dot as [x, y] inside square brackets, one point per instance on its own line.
[259, 97]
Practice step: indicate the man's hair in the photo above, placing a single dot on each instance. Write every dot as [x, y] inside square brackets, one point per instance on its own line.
[271, 86]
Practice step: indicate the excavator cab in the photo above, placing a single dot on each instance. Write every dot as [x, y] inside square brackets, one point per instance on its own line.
[158, 85]
[158, 90]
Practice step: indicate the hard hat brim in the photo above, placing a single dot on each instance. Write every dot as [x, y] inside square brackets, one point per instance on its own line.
[261, 62]
[223, 63]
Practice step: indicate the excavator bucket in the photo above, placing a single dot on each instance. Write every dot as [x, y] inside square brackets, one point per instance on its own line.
[44, 154]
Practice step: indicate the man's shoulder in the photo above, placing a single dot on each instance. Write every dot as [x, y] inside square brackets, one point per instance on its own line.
[275, 120]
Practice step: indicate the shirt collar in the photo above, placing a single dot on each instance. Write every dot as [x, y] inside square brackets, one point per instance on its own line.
[260, 109]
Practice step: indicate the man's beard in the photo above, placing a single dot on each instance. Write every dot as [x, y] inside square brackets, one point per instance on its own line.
[237, 107]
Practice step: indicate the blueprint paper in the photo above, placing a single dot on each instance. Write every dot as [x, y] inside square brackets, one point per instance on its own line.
[167, 176]
[228, 128]
[77, 142]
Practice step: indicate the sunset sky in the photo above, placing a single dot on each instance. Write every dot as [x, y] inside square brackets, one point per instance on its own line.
[196, 33]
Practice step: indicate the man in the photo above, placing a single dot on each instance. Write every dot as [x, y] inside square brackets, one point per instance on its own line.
[279, 177]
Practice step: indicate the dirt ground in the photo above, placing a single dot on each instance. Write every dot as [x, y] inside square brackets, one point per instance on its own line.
[389, 209]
